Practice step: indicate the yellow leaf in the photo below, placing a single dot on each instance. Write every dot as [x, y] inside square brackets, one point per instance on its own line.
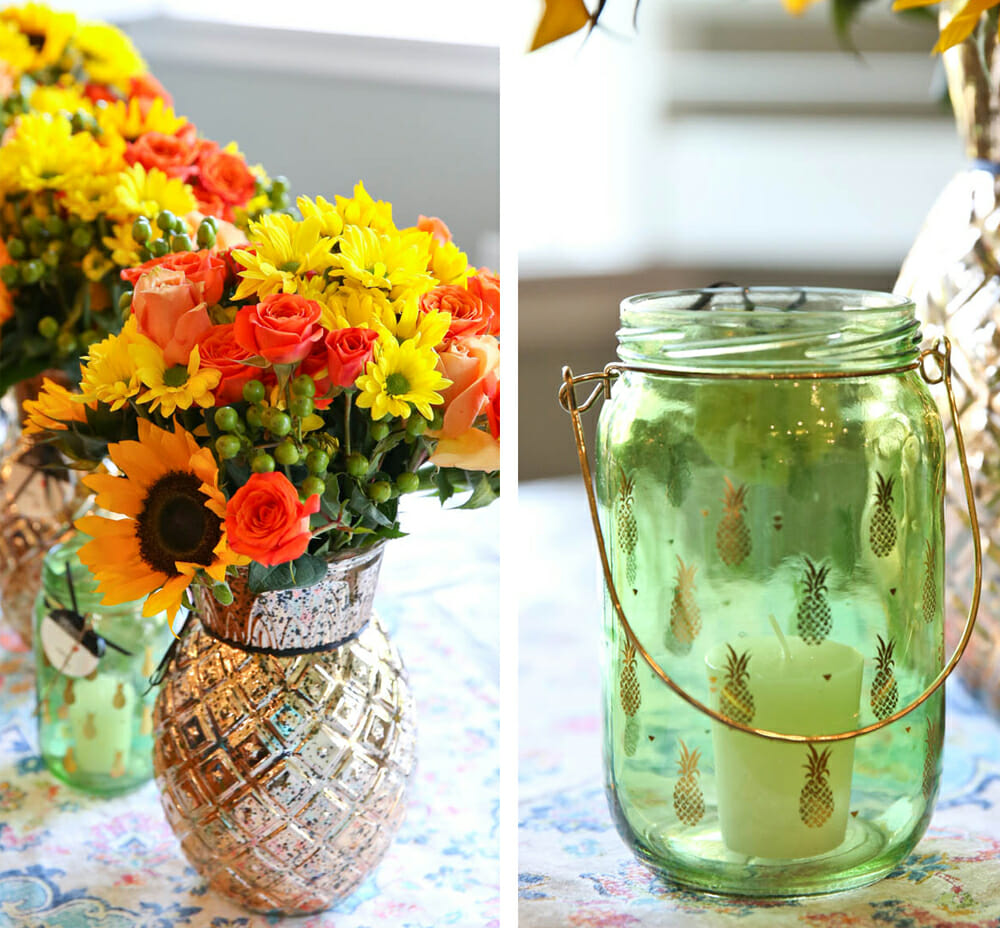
[312, 422]
[560, 18]
[963, 23]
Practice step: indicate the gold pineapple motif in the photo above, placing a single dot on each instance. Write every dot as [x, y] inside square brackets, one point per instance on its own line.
[929, 599]
[930, 759]
[631, 740]
[882, 530]
[628, 682]
[737, 700]
[885, 692]
[816, 798]
[685, 616]
[732, 537]
[814, 618]
[689, 804]
[628, 533]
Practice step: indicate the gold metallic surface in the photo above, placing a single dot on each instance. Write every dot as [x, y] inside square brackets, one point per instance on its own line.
[940, 355]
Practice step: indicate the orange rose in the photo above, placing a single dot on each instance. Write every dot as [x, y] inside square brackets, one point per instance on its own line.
[348, 351]
[266, 522]
[469, 315]
[486, 285]
[172, 154]
[471, 364]
[204, 270]
[281, 328]
[219, 350]
[167, 309]
[147, 87]
[436, 227]
[226, 176]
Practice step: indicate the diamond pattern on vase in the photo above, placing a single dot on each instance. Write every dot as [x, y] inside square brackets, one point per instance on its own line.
[289, 796]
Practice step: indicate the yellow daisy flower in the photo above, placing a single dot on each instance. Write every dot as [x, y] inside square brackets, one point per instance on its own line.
[283, 251]
[148, 193]
[45, 154]
[95, 265]
[128, 121]
[54, 407]
[354, 307]
[174, 525]
[16, 52]
[426, 329]
[94, 195]
[52, 99]
[176, 387]
[450, 265]
[395, 263]
[362, 210]
[400, 376]
[330, 221]
[123, 248]
[110, 373]
[109, 55]
[47, 32]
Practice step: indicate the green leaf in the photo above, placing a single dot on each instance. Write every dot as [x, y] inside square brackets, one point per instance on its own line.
[484, 492]
[843, 13]
[303, 571]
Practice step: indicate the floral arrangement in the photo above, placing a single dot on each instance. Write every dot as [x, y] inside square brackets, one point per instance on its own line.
[267, 404]
[97, 174]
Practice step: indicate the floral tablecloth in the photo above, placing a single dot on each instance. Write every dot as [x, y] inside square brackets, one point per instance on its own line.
[575, 870]
[71, 861]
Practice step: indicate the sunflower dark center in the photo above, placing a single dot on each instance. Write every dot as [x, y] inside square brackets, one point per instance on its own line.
[176, 525]
[36, 40]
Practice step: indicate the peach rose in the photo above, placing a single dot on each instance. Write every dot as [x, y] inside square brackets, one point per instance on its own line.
[218, 350]
[204, 270]
[265, 520]
[486, 285]
[436, 227]
[282, 327]
[469, 315]
[473, 450]
[167, 309]
[172, 154]
[471, 364]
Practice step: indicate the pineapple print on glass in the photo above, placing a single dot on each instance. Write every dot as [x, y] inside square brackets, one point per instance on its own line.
[810, 500]
[689, 803]
[885, 692]
[631, 698]
[816, 798]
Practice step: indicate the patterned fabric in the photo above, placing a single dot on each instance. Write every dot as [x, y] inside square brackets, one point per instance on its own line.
[68, 860]
[574, 868]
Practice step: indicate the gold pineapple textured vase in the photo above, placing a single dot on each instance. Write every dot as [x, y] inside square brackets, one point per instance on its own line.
[952, 273]
[284, 741]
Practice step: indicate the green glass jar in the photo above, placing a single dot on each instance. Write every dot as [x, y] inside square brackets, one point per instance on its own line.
[95, 718]
[770, 484]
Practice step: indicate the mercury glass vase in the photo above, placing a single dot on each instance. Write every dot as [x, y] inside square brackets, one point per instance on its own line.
[285, 738]
[952, 274]
[777, 542]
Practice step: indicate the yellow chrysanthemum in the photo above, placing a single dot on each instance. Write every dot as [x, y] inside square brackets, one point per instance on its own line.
[174, 525]
[362, 210]
[354, 307]
[426, 329]
[148, 193]
[45, 154]
[395, 263]
[123, 247]
[171, 388]
[400, 376]
[52, 410]
[135, 118]
[53, 98]
[283, 252]
[47, 31]
[109, 55]
[95, 265]
[16, 52]
[330, 221]
[110, 373]
[450, 265]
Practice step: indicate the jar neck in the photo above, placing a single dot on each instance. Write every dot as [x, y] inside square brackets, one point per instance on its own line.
[769, 330]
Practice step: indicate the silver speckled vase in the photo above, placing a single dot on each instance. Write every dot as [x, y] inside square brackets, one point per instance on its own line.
[952, 274]
[285, 738]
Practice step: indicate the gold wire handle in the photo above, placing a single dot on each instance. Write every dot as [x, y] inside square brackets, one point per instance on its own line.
[940, 354]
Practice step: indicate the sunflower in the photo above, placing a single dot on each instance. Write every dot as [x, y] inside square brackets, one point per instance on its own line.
[961, 25]
[109, 55]
[362, 210]
[174, 525]
[137, 117]
[401, 376]
[51, 98]
[396, 263]
[148, 193]
[175, 387]
[48, 32]
[15, 50]
[52, 410]
[110, 373]
[283, 255]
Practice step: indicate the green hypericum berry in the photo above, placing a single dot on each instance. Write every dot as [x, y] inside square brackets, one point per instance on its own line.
[408, 482]
[158, 247]
[32, 226]
[254, 418]
[311, 486]
[228, 446]
[144, 254]
[181, 242]
[125, 300]
[55, 226]
[357, 465]
[317, 461]
[32, 271]
[50, 258]
[301, 406]
[262, 463]
[304, 385]
[416, 425]
[206, 235]
[66, 343]
[222, 594]
[165, 221]
[227, 418]
[16, 248]
[380, 491]
[253, 391]
[89, 337]
[380, 430]
[278, 423]
[9, 275]
[142, 231]
[286, 453]
[82, 236]
[279, 184]
[48, 327]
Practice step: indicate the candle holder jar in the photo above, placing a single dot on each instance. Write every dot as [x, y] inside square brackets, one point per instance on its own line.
[93, 663]
[769, 510]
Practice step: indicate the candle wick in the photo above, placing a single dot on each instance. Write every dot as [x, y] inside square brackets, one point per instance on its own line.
[781, 638]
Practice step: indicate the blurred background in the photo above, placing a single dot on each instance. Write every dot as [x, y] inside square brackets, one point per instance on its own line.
[404, 96]
[726, 140]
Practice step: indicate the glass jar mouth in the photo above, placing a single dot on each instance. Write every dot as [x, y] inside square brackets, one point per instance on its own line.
[778, 328]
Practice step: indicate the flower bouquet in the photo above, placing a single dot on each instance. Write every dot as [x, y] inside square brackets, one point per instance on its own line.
[264, 408]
